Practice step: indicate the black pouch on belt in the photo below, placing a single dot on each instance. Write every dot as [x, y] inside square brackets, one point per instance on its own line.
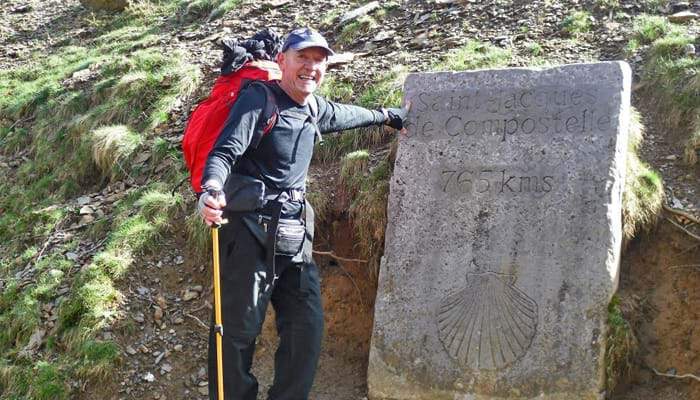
[289, 239]
[244, 193]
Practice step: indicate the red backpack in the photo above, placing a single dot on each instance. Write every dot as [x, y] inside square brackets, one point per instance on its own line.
[208, 118]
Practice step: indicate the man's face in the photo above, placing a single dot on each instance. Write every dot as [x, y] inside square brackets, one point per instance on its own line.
[302, 70]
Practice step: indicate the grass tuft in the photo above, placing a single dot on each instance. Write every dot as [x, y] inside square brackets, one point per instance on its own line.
[48, 383]
[692, 146]
[643, 196]
[610, 5]
[337, 90]
[211, 9]
[369, 217]
[69, 112]
[577, 23]
[112, 145]
[620, 346]
[647, 28]
[353, 167]
[385, 92]
[321, 204]
[198, 237]
[98, 359]
[350, 33]
[474, 55]
[673, 75]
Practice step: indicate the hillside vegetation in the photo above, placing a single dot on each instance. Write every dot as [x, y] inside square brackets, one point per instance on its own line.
[92, 109]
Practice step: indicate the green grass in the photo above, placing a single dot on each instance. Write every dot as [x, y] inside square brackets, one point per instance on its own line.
[653, 5]
[48, 383]
[643, 195]
[209, 9]
[673, 77]
[351, 32]
[692, 146]
[112, 145]
[321, 203]
[337, 90]
[647, 28]
[386, 91]
[534, 49]
[353, 167]
[474, 55]
[608, 4]
[80, 114]
[329, 19]
[620, 346]
[576, 23]
[368, 214]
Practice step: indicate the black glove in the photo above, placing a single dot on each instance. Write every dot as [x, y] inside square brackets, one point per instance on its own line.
[395, 117]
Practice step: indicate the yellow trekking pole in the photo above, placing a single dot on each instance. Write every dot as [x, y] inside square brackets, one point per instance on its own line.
[218, 327]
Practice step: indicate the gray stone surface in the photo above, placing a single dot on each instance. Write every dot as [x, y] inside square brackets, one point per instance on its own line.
[504, 235]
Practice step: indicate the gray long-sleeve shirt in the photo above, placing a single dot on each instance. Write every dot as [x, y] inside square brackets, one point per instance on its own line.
[283, 155]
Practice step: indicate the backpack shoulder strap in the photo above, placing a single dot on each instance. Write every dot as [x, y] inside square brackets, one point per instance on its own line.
[313, 106]
[268, 117]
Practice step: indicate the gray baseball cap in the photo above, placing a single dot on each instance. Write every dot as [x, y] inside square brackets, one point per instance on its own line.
[304, 38]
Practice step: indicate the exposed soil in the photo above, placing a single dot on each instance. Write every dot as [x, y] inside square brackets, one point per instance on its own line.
[660, 288]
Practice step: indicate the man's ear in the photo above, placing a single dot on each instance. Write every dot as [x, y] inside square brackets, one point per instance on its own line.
[280, 58]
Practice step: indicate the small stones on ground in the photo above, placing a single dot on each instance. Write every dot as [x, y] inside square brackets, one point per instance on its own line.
[87, 219]
[86, 210]
[179, 260]
[149, 377]
[178, 347]
[189, 295]
[683, 16]
[157, 313]
[130, 350]
[34, 342]
[192, 293]
[83, 200]
[138, 317]
[166, 368]
[161, 302]
[275, 3]
[358, 12]
[24, 8]
[689, 49]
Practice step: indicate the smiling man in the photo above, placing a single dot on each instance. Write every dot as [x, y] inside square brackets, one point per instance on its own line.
[265, 248]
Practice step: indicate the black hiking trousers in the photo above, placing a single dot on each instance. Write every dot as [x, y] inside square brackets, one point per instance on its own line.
[296, 298]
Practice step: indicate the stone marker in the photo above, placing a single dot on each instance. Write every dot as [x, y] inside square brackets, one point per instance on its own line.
[504, 234]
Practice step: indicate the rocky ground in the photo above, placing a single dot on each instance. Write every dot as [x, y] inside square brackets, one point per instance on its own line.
[164, 337]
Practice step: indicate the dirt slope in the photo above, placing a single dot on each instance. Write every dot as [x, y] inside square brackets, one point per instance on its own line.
[167, 296]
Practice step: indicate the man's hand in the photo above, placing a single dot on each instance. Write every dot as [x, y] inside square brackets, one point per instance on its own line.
[397, 116]
[210, 205]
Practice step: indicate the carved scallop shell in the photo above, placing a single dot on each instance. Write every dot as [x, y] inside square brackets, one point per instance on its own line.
[488, 324]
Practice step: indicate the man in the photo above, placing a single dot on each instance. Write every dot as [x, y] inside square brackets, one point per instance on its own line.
[254, 269]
